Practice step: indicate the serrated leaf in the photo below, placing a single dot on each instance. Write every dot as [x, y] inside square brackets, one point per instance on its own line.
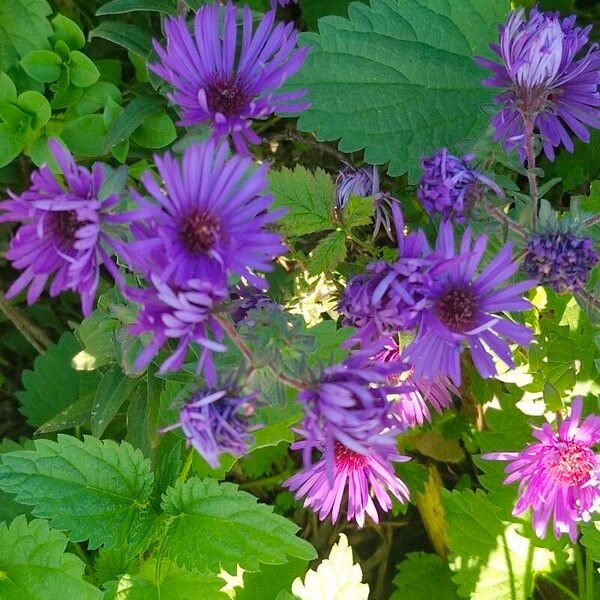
[489, 556]
[172, 583]
[96, 333]
[422, 577]
[131, 37]
[24, 28]
[54, 384]
[398, 78]
[235, 529]
[33, 564]
[307, 197]
[358, 211]
[271, 580]
[591, 539]
[96, 489]
[328, 253]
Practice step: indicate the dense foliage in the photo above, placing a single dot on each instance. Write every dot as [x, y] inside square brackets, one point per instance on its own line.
[300, 299]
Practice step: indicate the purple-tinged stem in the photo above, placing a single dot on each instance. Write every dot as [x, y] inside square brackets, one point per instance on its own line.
[595, 302]
[531, 176]
[591, 221]
[504, 219]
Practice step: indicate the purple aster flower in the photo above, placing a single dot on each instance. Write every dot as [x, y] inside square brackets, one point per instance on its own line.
[412, 397]
[389, 297]
[214, 218]
[449, 187]
[544, 80]
[217, 422]
[559, 476]
[562, 261]
[355, 182]
[348, 405]
[463, 308]
[369, 479]
[182, 313]
[63, 234]
[214, 82]
[274, 3]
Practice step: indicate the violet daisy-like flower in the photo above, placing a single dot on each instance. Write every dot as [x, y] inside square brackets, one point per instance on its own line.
[214, 218]
[389, 297]
[560, 260]
[449, 187]
[548, 76]
[347, 405]
[369, 481]
[463, 309]
[214, 82]
[64, 232]
[183, 314]
[411, 398]
[559, 475]
[216, 422]
[354, 182]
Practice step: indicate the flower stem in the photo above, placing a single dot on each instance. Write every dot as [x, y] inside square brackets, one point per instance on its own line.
[185, 471]
[591, 221]
[593, 301]
[589, 575]
[580, 570]
[531, 176]
[497, 214]
[560, 586]
[229, 328]
[29, 330]
[527, 583]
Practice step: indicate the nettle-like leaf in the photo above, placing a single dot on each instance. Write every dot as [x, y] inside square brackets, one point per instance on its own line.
[215, 525]
[271, 580]
[308, 198]
[591, 539]
[95, 489]
[33, 564]
[398, 78]
[491, 558]
[328, 253]
[167, 582]
[422, 577]
[54, 384]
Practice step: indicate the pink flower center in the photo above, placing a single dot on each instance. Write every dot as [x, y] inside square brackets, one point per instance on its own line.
[457, 308]
[570, 463]
[344, 457]
[227, 96]
[199, 231]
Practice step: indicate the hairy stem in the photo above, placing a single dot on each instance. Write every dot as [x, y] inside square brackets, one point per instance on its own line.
[28, 329]
[185, 471]
[229, 328]
[503, 218]
[579, 569]
[531, 176]
[593, 300]
[589, 575]
[591, 221]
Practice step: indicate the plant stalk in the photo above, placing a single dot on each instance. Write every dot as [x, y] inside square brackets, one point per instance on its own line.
[531, 176]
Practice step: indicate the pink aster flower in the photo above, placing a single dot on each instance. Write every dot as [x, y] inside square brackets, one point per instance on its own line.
[559, 476]
[368, 479]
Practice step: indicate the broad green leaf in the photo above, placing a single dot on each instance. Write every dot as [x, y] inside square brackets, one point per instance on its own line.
[171, 583]
[91, 144]
[37, 106]
[117, 7]
[328, 253]
[23, 29]
[11, 144]
[128, 36]
[42, 65]
[308, 198]
[115, 388]
[111, 563]
[271, 580]
[54, 384]
[9, 507]
[68, 31]
[398, 78]
[82, 70]
[135, 113]
[95, 97]
[235, 529]
[157, 131]
[34, 565]
[74, 415]
[591, 539]
[8, 91]
[358, 211]
[312, 10]
[489, 556]
[329, 339]
[95, 489]
[422, 577]
[96, 333]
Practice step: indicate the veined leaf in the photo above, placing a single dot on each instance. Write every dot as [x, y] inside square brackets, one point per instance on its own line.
[117, 7]
[422, 577]
[129, 36]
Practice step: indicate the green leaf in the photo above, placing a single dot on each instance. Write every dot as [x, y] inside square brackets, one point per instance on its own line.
[115, 388]
[23, 29]
[117, 7]
[95, 97]
[128, 36]
[54, 384]
[312, 10]
[96, 489]
[74, 415]
[37, 106]
[11, 144]
[68, 31]
[235, 529]
[82, 70]
[270, 580]
[8, 91]
[134, 115]
[422, 577]
[9, 508]
[591, 539]
[308, 198]
[358, 211]
[328, 253]
[96, 335]
[172, 583]
[489, 557]
[93, 143]
[398, 78]
[42, 65]
[157, 131]
[33, 564]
